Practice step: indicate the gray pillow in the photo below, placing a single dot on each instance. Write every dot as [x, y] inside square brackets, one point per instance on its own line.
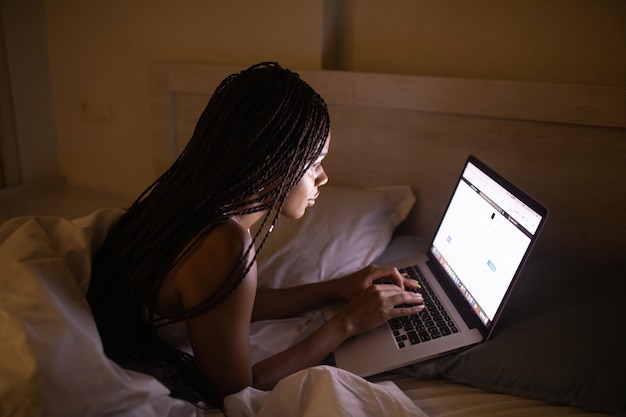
[560, 339]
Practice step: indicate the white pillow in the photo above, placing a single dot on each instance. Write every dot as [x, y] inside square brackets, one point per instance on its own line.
[346, 230]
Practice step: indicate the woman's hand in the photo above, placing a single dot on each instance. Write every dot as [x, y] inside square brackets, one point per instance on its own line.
[352, 285]
[375, 305]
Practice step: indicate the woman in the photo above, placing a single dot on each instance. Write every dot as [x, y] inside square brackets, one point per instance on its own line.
[183, 253]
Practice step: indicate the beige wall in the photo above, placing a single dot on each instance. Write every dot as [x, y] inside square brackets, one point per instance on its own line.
[101, 51]
[28, 134]
[559, 41]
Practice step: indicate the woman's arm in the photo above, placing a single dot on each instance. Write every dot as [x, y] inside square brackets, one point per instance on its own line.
[221, 344]
[276, 303]
[219, 337]
[366, 311]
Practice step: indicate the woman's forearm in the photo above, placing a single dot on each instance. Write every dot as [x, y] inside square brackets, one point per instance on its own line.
[277, 303]
[309, 352]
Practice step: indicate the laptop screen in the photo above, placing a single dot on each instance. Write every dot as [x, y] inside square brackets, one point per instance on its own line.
[484, 236]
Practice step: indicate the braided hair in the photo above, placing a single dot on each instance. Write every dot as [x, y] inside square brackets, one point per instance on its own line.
[259, 133]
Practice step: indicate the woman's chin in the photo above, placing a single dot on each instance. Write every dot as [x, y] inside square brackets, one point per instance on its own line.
[293, 214]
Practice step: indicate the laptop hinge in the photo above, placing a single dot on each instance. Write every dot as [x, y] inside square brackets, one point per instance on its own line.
[463, 307]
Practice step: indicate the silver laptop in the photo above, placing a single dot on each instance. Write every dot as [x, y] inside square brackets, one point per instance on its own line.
[466, 274]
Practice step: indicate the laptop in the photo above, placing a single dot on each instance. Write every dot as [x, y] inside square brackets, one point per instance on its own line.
[470, 267]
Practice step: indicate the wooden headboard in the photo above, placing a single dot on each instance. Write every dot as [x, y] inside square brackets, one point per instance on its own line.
[563, 144]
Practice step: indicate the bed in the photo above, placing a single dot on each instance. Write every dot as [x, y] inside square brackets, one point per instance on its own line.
[398, 145]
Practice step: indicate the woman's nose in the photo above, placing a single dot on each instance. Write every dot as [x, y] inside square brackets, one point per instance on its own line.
[322, 178]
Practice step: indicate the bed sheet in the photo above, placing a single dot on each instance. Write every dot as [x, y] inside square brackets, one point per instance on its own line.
[444, 398]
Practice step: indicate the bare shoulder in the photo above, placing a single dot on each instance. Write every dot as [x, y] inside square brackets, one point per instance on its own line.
[226, 244]
[201, 272]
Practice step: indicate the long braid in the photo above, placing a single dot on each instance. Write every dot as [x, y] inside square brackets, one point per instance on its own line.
[261, 130]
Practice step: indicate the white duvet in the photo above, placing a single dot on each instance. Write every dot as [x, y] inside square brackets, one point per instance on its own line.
[51, 359]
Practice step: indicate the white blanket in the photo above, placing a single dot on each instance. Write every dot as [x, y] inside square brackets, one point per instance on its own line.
[51, 358]
[323, 392]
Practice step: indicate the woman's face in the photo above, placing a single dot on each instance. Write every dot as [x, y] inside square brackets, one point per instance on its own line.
[303, 195]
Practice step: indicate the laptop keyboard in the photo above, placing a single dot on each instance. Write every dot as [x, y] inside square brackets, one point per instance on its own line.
[431, 323]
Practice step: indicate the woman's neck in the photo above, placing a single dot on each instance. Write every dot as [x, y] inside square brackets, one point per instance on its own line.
[247, 220]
